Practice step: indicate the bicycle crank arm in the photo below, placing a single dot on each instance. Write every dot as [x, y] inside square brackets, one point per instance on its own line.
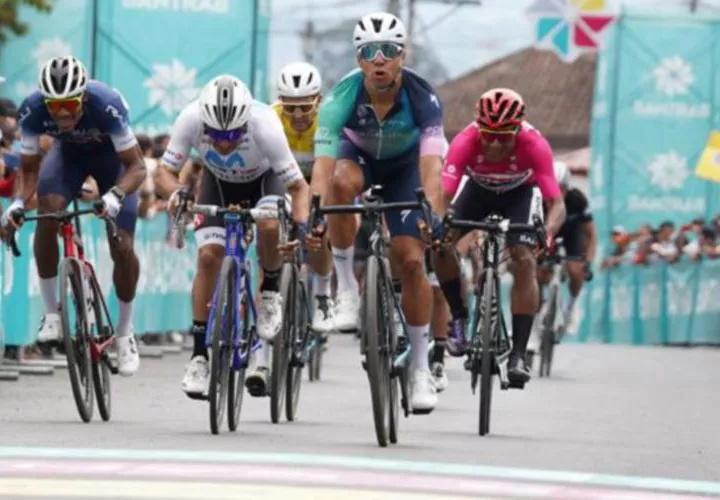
[502, 362]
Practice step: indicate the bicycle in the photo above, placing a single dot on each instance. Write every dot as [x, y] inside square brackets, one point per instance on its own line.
[489, 344]
[386, 351]
[550, 330]
[293, 347]
[231, 335]
[92, 333]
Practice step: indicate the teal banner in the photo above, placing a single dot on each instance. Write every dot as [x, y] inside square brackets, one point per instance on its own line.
[157, 53]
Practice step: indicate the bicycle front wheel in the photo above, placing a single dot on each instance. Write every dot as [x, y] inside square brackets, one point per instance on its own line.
[299, 338]
[377, 315]
[236, 380]
[281, 351]
[487, 357]
[100, 369]
[75, 336]
[547, 341]
[222, 344]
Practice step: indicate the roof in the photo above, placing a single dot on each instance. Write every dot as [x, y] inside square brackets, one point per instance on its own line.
[558, 95]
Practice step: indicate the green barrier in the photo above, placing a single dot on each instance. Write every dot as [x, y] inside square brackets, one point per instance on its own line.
[162, 301]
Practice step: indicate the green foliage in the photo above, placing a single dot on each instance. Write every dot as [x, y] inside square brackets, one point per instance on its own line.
[9, 22]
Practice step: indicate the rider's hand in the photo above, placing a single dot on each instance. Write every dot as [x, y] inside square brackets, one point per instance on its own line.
[432, 235]
[176, 199]
[550, 244]
[289, 248]
[588, 271]
[111, 204]
[316, 238]
[12, 217]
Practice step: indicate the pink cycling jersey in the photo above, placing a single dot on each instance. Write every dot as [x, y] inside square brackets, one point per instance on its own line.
[530, 162]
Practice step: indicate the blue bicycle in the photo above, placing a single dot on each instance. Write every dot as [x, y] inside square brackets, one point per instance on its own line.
[231, 334]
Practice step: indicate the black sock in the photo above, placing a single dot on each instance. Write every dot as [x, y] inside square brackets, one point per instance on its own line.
[439, 351]
[198, 332]
[453, 294]
[397, 287]
[521, 326]
[271, 281]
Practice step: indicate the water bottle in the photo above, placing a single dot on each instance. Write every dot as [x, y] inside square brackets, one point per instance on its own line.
[89, 309]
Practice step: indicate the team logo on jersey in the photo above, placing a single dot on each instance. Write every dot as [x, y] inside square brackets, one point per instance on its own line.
[233, 161]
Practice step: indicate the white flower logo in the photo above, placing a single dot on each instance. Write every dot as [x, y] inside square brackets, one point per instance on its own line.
[668, 171]
[674, 76]
[49, 49]
[172, 86]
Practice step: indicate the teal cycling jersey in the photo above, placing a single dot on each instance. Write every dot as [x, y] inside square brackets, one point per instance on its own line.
[415, 120]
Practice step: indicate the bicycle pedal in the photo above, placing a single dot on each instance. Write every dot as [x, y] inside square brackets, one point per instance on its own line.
[516, 385]
[364, 364]
[422, 411]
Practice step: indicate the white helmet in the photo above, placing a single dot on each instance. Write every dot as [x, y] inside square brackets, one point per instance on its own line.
[562, 173]
[225, 103]
[299, 79]
[379, 27]
[62, 77]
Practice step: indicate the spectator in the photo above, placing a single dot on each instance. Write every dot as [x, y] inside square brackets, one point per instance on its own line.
[621, 253]
[664, 247]
[160, 143]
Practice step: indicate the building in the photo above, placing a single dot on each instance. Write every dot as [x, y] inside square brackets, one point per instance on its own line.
[558, 95]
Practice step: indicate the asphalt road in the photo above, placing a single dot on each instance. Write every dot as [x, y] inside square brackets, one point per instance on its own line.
[613, 422]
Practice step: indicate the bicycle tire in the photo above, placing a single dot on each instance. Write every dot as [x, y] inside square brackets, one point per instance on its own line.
[487, 355]
[377, 371]
[298, 347]
[221, 355]
[236, 378]
[280, 357]
[77, 350]
[547, 341]
[100, 370]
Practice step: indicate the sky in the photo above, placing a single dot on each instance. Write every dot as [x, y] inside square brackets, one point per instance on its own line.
[465, 37]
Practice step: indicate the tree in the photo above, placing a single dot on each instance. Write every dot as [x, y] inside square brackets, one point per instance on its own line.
[9, 22]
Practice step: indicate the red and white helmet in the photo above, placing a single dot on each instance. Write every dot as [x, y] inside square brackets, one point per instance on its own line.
[500, 108]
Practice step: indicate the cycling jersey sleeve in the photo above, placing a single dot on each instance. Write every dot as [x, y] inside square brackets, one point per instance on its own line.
[542, 163]
[432, 134]
[117, 121]
[276, 149]
[332, 116]
[181, 139]
[30, 129]
[459, 156]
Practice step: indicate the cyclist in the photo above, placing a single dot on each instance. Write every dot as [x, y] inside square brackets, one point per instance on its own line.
[241, 144]
[298, 88]
[494, 165]
[382, 124]
[90, 124]
[579, 239]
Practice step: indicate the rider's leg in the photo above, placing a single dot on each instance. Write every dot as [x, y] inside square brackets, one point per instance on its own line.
[409, 254]
[521, 206]
[438, 329]
[347, 183]
[56, 185]
[544, 274]
[576, 273]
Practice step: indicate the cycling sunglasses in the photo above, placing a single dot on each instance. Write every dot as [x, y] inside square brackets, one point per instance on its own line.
[502, 136]
[387, 50]
[226, 135]
[70, 104]
[289, 109]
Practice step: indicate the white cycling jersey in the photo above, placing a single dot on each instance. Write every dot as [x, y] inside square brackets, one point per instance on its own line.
[264, 148]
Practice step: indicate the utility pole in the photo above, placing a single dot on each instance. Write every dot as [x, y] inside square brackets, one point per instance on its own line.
[693, 5]
[411, 30]
[308, 41]
[393, 7]
[254, 45]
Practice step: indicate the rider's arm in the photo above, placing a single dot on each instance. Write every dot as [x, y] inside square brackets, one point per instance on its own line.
[542, 158]
[458, 157]
[276, 149]
[588, 226]
[432, 149]
[126, 145]
[175, 155]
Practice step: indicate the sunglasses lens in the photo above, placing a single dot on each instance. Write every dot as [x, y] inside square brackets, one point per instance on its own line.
[388, 50]
[225, 135]
[69, 105]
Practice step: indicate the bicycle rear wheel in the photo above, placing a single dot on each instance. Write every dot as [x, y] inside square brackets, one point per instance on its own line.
[281, 351]
[298, 351]
[100, 369]
[547, 342]
[487, 357]
[236, 379]
[377, 314]
[222, 348]
[75, 336]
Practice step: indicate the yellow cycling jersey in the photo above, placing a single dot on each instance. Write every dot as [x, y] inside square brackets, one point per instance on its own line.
[301, 143]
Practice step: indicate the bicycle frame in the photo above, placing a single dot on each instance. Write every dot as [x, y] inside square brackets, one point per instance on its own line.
[235, 235]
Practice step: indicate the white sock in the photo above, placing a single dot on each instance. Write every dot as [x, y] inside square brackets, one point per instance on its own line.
[48, 290]
[321, 285]
[261, 355]
[344, 269]
[124, 319]
[419, 339]
[571, 304]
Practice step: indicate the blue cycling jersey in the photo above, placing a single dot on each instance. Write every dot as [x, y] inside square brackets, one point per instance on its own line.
[104, 125]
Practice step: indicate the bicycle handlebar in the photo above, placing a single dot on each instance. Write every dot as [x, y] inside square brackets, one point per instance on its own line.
[255, 214]
[61, 216]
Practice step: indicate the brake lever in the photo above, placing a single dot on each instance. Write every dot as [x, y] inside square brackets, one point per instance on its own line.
[99, 207]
